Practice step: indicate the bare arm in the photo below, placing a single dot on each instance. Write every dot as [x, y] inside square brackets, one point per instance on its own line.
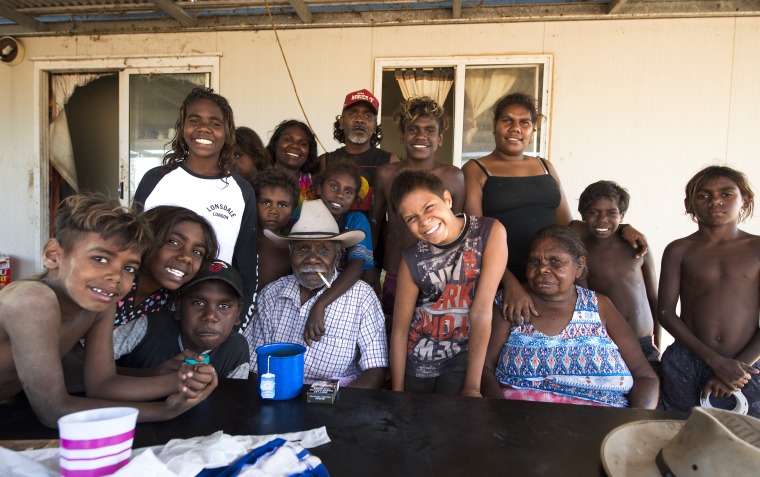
[650, 283]
[646, 386]
[481, 311]
[473, 177]
[403, 312]
[517, 302]
[34, 332]
[315, 324]
[455, 185]
[372, 378]
[500, 330]
[563, 214]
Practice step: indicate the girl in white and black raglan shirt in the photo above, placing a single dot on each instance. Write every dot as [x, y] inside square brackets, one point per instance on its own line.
[198, 174]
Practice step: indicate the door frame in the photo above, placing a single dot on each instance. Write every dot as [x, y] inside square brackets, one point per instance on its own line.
[44, 66]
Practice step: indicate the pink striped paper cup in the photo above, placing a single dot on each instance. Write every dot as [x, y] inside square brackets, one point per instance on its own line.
[96, 442]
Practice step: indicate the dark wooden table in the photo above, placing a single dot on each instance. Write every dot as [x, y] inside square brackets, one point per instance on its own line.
[397, 434]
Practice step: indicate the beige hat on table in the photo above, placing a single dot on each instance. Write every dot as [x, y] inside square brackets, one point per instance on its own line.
[316, 223]
[712, 442]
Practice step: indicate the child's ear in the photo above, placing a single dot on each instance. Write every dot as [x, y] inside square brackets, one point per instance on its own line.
[447, 198]
[52, 254]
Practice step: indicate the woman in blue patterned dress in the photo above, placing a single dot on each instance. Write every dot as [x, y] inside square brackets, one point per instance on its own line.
[578, 350]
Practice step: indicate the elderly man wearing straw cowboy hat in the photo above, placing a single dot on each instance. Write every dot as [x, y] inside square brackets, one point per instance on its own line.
[354, 347]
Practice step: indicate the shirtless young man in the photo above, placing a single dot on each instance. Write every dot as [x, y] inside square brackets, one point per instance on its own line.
[716, 274]
[422, 123]
[90, 266]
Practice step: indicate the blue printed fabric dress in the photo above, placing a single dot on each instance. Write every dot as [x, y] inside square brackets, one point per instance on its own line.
[581, 361]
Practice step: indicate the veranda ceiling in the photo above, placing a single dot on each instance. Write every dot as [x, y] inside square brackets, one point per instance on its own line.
[55, 17]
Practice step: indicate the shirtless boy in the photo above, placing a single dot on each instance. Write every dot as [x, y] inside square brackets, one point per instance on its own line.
[422, 123]
[630, 282]
[90, 266]
[716, 274]
[276, 196]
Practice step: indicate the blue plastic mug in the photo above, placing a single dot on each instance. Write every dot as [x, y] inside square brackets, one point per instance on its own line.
[285, 362]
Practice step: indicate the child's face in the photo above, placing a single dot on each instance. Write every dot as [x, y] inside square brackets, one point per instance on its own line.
[429, 217]
[207, 313]
[179, 258]
[94, 274]
[203, 129]
[274, 207]
[603, 217]
[422, 138]
[513, 130]
[338, 192]
[718, 201]
[246, 167]
[292, 149]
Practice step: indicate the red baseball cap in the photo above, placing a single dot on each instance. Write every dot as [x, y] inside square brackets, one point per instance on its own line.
[359, 96]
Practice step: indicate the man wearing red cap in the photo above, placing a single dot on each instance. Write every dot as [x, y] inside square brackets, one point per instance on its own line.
[357, 128]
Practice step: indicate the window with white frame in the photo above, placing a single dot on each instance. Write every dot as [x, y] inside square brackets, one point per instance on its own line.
[468, 87]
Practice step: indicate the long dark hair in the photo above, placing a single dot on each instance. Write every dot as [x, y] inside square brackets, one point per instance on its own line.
[179, 150]
[312, 161]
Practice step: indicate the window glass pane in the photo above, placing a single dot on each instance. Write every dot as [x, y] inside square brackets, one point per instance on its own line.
[483, 87]
[154, 102]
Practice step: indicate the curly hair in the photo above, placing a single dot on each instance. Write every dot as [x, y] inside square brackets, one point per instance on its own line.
[520, 99]
[251, 144]
[312, 161]
[420, 107]
[603, 190]
[84, 213]
[410, 180]
[340, 135]
[338, 166]
[164, 218]
[179, 150]
[714, 172]
[277, 178]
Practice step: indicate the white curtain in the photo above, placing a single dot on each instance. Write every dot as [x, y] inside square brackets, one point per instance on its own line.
[60, 148]
[434, 82]
[482, 88]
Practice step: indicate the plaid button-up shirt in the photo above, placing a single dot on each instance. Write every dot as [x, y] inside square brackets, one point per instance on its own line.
[354, 339]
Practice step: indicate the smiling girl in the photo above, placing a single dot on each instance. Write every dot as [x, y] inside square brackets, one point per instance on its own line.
[183, 241]
[339, 188]
[198, 173]
[293, 148]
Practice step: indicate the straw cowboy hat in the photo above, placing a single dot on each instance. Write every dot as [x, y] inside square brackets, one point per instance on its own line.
[316, 223]
[711, 442]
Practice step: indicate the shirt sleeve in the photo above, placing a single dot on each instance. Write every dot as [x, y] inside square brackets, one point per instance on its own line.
[149, 182]
[362, 250]
[241, 372]
[127, 337]
[373, 344]
[245, 259]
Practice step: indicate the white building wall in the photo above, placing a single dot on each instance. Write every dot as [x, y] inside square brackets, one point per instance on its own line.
[644, 102]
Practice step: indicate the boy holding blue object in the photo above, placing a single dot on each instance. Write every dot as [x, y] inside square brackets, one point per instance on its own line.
[90, 265]
[207, 310]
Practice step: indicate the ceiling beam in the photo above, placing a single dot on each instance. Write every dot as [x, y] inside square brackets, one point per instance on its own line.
[456, 9]
[615, 6]
[20, 18]
[302, 10]
[176, 12]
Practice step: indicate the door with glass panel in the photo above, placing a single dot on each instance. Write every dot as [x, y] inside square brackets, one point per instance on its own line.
[148, 124]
